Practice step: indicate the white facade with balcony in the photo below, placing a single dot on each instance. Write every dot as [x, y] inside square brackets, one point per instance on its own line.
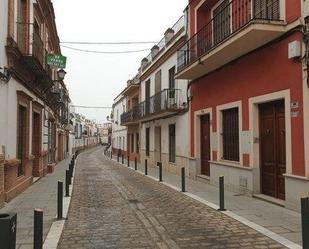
[119, 132]
[164, 121]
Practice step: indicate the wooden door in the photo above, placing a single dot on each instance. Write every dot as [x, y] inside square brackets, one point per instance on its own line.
[272, 147]
[36, 142]
[205, 144]
[60, 147]
[21, 139]
[157, 144]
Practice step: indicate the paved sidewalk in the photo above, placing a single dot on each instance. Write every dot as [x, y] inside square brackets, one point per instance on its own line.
[114, 207]
[42, 194]
[279, 220]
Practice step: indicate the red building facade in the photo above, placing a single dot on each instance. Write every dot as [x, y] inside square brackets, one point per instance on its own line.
[249, 106]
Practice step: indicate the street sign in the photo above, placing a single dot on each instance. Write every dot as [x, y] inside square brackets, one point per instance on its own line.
[57, 61]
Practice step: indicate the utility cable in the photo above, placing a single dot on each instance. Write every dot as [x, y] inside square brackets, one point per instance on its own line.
[108, 43]
[105, 52]
[91, 107]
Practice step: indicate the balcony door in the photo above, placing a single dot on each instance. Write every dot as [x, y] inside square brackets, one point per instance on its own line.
[22, 25]
[221, 22]
[158, 87]
[147, 97]
[267, 10]
[171, 88]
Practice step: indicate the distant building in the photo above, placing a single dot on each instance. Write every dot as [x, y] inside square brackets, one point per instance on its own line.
[105, 133]
[84, 133]
[119, 132]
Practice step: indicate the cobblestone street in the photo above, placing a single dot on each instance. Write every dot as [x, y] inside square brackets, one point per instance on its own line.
[113, 207]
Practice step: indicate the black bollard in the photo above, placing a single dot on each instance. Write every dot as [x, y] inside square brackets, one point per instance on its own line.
[111, 155]
[60, 200]
[135, 163]
[146, 167]
[159, 164]
[38, 229]
[122, 159]
[118, 157]
[183, 180]
[305, 221]
[67, 183]
[221, 193]
[71, 169]
[128, 162]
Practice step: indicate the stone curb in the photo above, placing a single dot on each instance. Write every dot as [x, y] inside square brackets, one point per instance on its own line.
[55, 231]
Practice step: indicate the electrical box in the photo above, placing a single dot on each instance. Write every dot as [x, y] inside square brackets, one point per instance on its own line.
[294, 50]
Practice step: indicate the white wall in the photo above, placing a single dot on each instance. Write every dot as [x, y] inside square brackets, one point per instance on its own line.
[8, 120]
[3, 31]
[165, 67]
[182, 138]
[3, 63]
[181, 121]
[119, 131]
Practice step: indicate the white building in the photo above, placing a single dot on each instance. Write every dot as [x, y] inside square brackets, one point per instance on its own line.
[105, 131]
[33, 100]
[84, 132]
[162, 113]
[119, 132]
[164, 128]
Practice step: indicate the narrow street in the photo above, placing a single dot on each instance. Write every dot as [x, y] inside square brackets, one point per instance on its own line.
[113, 207]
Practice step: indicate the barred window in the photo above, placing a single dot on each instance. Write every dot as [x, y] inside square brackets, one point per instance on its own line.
[147, 141]
[230, 134]
[172, 143]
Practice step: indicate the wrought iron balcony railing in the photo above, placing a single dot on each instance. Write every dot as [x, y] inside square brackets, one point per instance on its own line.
[30, 43]
[167, 100]
[232, 17]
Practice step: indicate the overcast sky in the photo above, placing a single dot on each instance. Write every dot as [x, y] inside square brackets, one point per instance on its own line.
[96, 79]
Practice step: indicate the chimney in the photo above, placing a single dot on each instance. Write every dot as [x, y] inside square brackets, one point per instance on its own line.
[154, 51]
[168, 35]
[144, 62]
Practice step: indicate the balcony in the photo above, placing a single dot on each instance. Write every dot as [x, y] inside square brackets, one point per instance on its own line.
[132, 116]
[33, 54]
[234, 31]
[165, 103]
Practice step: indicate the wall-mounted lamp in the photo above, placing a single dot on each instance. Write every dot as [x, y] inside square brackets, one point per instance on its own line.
[61, 74]
[5, 75]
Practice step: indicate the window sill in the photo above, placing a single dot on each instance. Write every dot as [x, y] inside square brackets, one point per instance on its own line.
[231, 164]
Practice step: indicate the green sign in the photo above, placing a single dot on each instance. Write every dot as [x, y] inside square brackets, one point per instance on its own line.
[57, 61]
